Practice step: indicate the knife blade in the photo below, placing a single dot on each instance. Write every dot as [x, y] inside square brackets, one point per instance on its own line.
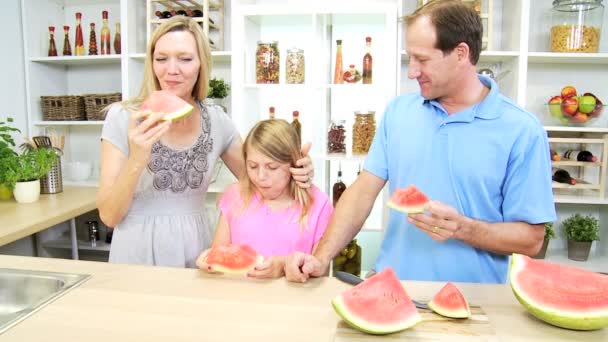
[354, 280]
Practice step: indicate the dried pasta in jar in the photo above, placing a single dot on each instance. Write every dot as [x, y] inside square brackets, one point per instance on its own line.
[575, 38]
[267, 60]
[294, 66]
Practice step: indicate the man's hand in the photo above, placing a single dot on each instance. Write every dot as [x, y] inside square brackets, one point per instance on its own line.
[299, 267]
[443, 223]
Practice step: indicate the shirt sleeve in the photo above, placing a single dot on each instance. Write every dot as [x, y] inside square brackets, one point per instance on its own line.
[377, 159]
[116, 128]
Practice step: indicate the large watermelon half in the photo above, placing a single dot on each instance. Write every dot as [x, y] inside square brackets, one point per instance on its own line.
[163, 101]
[449, 302]
[379, 305]
[409, 200]
[231, 259]
[560, 295]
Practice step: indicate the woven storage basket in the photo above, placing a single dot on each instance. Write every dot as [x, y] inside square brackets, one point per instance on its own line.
[66, 107]
[95, 103]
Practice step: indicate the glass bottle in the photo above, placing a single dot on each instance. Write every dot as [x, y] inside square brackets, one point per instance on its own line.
[267, 65]
[104, 34]
[584, 156]
[336, 137]
[295, 123]
[563, 176]
[271, 113]
[117, 47]
[339, 67]
[92, 41]
[79, 41]
[294, 66]
[364, 130]
[67, 48]
[349, 259]
[576, 25]
[338, 188]
[52, 48]
[367, 61]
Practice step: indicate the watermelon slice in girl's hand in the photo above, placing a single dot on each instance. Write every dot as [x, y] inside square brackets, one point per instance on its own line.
[163, 101]
[409, 200]
[449, 302]
[231, 259]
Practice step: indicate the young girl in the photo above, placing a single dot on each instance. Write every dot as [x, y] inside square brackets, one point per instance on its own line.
[266, 209]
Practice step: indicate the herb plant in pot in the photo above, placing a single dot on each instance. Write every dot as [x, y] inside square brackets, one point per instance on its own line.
[580, 231]
[26, 170]
[7, 157]
[218, 91]
[549, 235]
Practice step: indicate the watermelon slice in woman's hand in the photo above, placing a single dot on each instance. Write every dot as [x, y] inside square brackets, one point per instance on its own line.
[409, 200]
[230, 259]
[163, 101]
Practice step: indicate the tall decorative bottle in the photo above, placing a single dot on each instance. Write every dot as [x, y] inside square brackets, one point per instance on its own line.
[104, 34]
[117, 39]
[338, 72]
[67, 48]
[295, 123]
[367, 61]
[79, 41]
[92, 41]
[52, 47]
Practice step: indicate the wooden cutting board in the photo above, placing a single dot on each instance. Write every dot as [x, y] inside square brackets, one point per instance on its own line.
[432, 328]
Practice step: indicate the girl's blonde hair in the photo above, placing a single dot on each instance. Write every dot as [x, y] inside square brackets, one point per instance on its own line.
[276, 139]
[150, 82]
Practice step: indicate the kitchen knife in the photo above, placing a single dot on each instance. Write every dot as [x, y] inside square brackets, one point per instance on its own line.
[354, 280]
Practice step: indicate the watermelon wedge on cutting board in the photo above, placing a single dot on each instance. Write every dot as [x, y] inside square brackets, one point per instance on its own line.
[163, 101]
[231, 259]
[564, 296]
[449, 302]
[409, 200]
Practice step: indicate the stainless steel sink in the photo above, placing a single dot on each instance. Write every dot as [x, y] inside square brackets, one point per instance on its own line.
[23, 292]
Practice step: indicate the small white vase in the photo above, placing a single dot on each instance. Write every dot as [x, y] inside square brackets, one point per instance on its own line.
[27, 192]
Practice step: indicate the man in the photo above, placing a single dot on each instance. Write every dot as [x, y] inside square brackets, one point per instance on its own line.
[482, 159]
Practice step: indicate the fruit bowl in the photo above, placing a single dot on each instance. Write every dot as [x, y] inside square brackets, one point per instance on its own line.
[561, 114]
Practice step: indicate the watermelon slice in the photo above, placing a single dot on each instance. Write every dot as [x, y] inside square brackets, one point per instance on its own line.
[379, 305]
[409, 200]
[231, 259]
[163, 101]
[564, 296]
[449, 302]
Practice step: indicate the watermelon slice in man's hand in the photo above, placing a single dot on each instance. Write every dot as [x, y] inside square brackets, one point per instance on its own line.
[409, 200]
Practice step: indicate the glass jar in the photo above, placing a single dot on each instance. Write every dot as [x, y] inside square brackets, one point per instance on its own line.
[364, 129]
[576, 25]
[294, 66]
[336, 136]
[349, 259]
[267, 62]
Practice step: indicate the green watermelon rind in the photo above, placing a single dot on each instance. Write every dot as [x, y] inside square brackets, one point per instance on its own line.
[178, 114]
[563, 319]
[418, 209]
[464, 312]
[368, 327]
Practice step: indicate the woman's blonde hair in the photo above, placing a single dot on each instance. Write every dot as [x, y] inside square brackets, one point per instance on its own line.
[276, 139]
[150, 82]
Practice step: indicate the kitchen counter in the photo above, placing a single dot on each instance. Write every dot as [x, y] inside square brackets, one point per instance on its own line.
[19, 220]
[142, 303]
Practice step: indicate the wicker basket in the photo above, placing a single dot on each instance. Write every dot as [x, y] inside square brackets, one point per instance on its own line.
[95, 103]
[66, 107]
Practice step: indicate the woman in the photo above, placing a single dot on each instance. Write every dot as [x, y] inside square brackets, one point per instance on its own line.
[154, 174]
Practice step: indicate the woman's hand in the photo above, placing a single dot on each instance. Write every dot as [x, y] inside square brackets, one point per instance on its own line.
[305, 171]
[145, 129]
[201, 262]
[272, 267]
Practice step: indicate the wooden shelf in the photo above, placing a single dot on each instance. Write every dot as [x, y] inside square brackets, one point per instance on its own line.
[580, 184]
[78, 60]
[579, 199]
[574, 163]
[69, 123]
[576, 129]
[567, 58]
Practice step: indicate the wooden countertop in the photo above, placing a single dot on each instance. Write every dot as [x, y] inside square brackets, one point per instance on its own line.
[142, 303]
[19, 220]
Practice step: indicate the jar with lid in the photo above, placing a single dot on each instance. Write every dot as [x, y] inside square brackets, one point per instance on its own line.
[267, 62]
[336, 136]
[294, 66]
[576, 25]
[364, 129]
[349, 259]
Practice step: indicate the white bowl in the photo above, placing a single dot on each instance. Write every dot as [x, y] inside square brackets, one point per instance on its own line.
[78, 171]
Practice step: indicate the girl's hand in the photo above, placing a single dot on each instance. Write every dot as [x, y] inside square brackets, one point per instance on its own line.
[305, 171]
[200, 261]
[145, 129]
[272, 267]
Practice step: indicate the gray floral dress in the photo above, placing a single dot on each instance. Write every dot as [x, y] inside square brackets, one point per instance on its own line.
[167, 224]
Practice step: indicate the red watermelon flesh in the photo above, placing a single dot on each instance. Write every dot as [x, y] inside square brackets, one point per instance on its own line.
[379, 305]
[409, 200]
[564, 296]
[233, 259]
[449, 302]
[163, 101]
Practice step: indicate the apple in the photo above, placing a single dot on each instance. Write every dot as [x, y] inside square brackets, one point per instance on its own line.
[586, 104]
[597, 109]
[579, 118]
[568, 91]
[555, 106]
[570, 106]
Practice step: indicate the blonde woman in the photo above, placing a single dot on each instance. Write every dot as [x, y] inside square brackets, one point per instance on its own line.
[154, 175]
[266, 209]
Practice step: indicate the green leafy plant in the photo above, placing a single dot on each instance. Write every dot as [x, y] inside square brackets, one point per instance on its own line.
[218, 88]
[549, 231]
[33, 163]
[8, 155]
[581, 228]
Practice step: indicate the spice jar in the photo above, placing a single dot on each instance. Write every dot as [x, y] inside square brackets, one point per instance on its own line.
[364, 129]
[267, 62]
[294, 66]
[335, 137]
[349, 259]
[576, 25]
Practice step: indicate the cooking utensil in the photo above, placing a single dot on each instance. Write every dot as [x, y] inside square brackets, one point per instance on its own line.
[42, 141]
[354, 280]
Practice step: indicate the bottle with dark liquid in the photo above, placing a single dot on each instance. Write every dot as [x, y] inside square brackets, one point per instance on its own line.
[295, 123]
[562, 176]
[582, 156]
[67, 47]
[271, 113]
[338, 188]
[117, 46]
[79, 40]
[52, 47]
[367, 61]
[104, 34]
[92, 41]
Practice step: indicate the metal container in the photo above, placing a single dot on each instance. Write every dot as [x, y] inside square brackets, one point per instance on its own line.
[52, 183]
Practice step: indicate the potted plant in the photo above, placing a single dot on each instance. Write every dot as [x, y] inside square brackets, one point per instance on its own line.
[580, 231]
[7, 157]
[218, 90]
[25, 170]
[549, 235]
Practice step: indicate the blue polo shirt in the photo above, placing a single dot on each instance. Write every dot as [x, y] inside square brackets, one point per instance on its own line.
[489, 161]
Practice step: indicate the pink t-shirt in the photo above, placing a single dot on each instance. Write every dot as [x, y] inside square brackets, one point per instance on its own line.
[274, 233]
